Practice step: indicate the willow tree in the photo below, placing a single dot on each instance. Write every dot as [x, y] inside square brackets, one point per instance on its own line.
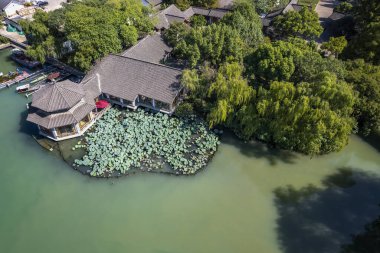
[229, 92]
[313, 118]
[218, 93]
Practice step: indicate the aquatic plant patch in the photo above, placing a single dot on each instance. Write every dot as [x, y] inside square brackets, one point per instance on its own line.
[123, 140]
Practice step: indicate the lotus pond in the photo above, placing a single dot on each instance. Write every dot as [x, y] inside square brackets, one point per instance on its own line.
[124, 140]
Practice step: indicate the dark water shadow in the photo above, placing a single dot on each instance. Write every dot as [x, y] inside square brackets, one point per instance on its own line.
[367, 241]
[259, 150]
[26, 127]
[373, 139]
[322, 219]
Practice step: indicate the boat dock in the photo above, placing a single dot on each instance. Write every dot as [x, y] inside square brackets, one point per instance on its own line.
[17, 79]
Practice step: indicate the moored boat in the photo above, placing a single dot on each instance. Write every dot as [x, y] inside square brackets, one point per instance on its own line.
[40, 78]
[53, 76]
[23, 88]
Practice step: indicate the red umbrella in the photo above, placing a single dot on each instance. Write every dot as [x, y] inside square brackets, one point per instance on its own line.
[102, 104]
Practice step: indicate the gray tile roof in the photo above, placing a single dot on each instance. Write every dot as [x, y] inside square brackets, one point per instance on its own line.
[154, 2]
[201, 11]
[173, 10]
[274, 14]
[215, 13]
[168, 16]
[189, 12]
[72, 116]
[297, 7]
[289, 7]
[218, 13]
[336, 15]
[127, 78]
[58, 96]
[266, 22]
[4, 3]
[152, 48]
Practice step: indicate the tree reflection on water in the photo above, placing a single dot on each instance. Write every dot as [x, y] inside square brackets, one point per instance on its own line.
[322, 219]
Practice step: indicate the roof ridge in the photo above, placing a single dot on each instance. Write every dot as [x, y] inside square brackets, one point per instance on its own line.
[174, 16]
[50, 100]
[137, 43]
[67, 103]
[157, 64]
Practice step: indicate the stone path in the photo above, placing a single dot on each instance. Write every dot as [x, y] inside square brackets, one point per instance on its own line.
[324, 9]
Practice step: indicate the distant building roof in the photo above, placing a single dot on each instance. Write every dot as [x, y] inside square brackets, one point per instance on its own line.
[290, 7]
[201, 11]
[215, 13]
[218, 13]
[152, 48]
[173, 14]
[297, 7]
[154, 2]
[336, 16]
[4, 3]
[226, 4]
[127, 78]
[169, 15]
[56, 97]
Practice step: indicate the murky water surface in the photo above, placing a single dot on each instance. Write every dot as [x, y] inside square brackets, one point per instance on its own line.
[249, 199]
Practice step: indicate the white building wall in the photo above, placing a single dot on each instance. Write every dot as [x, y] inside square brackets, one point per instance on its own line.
[12, 7]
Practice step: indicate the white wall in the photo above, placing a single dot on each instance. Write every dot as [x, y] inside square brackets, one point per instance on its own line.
[11, 8]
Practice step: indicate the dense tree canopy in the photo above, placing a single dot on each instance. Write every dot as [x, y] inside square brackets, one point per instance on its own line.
[218, 93]
[273, 61]
[366, 80]
[84, 31]
[214, 43]
[366, 44]
[176, 33]
[367, 241]
[335, 45]
[304, 23]
[313, 118]
[247, 22]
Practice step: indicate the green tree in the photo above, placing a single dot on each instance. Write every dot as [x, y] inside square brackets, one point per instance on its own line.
[214, 43]
[335, 45]
[365, 78]
[312, 118]
[129, 35]
[304, 24]
[93, 28]
[198, 21]
[367, 241]
[245, 20]
[366, 43]
[176, 33]
[311, 64]
[273, 62]
[343, 7]
[218, 94]
[229, 92]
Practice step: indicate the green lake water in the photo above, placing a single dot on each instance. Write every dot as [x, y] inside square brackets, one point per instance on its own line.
[231, 206]
[6, 63]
